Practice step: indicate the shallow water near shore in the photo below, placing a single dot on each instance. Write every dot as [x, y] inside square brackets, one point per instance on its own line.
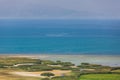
[107, 60]
[93, 59]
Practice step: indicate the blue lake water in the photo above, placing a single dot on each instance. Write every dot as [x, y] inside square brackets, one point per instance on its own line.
[60, 36]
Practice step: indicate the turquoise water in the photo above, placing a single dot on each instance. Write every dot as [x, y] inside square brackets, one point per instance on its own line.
[55, 37]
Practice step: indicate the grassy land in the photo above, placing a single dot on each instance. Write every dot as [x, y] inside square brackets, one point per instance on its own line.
[116, 71]
[100, 77]
[10, 65]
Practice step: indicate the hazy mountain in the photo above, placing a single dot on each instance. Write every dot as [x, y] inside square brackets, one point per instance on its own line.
[41, 11]
[60, 8]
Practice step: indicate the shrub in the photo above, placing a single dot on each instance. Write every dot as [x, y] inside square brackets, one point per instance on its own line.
[36, 68]
[47, 74]
[85, 64]
[48, 62]
[1, 66]
[66, 64]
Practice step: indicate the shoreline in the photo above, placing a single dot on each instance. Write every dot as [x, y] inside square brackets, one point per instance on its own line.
[107, 60]
[36, 54]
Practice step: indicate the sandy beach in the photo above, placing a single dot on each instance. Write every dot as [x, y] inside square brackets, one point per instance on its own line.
[108, 60]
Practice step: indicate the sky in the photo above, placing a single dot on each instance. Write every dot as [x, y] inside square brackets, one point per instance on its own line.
[65, 9]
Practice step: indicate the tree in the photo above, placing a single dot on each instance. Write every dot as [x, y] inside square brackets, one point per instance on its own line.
[47, 74]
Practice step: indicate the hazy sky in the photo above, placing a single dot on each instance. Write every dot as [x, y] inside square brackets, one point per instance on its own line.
[105, 9]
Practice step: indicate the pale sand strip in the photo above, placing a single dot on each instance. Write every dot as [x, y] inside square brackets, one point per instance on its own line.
[38, 74]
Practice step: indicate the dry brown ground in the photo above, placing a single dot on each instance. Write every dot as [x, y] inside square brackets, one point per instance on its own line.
[38, 74]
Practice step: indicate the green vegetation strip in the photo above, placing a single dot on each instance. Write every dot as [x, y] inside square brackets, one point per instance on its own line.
[100, 77]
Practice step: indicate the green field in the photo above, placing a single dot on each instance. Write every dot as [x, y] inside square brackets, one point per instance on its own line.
[100, 77]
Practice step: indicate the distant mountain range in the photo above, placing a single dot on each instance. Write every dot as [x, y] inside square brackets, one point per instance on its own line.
[37, 11]
[59, 9]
